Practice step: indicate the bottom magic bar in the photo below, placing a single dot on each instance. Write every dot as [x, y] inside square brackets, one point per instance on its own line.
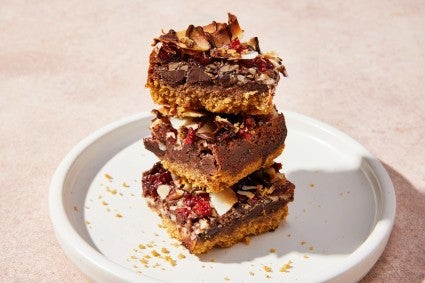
[201, 221]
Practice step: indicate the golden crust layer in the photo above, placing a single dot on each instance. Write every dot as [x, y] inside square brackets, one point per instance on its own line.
[213, 98]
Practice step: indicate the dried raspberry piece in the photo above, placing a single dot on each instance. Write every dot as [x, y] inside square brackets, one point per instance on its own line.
[200, 204]
[182, 213]
[153, 178]
[202, 58]
[262, 64]
[190, 137]
[236, 44]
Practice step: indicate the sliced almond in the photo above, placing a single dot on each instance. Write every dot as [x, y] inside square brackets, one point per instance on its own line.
[247, 194]
[163, 191]
[223, 201]
[179, 122]
[208, 127]
[245, 187]
[193, 114]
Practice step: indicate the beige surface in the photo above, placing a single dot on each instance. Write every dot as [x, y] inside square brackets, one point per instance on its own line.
[70, 67]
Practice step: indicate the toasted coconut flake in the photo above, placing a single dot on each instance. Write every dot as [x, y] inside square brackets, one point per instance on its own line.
[254, 44]
[235, 29]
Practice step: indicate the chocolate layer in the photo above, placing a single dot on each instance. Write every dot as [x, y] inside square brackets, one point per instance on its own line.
[189, 209]
[216, 151]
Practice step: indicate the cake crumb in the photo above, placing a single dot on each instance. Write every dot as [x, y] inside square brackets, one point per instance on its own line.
[267, 268]
[104, 202]
[212, 260]
[147, 256]
[87, 222]
[75, 208]
[286, 267]
[289, 235]
[170, 260]
[311, 248]
[125, 185]
[305, 256]
[181, 256]
[303, 243]
[118, 215]
[311, 185]
[142, 247]
[165, 251]
[108, 177]
[251, 273]
[155, 253]
[112, 191]
[133, 257]
[268, 276]
[272, 250]
[226, 278]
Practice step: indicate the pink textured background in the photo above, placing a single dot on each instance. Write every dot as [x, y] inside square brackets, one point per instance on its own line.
[68, 68]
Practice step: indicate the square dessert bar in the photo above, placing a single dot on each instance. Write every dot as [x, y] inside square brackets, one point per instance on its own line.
[216, 151]
[202, 221]
[208, 68]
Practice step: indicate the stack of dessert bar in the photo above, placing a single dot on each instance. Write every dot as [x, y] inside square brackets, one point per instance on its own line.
[216, 134]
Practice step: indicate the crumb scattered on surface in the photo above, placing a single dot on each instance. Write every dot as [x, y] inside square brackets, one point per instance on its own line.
[311, 185]
[87, 222]
[112, 191]
[141, 246]
[118, 215]
[75, 208]
[155, 253]
[226, 278]
[303, 243]
[125, 185]
[165, 251]
[305, 256]
[289, 235]
[251, 273]
[267, 268]
[108, 177]
[311, 248]
[104, 202]
[286, 267]
[181, 256]
[272, 250]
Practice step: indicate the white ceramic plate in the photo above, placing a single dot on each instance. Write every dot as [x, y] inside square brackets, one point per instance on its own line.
[337, 226]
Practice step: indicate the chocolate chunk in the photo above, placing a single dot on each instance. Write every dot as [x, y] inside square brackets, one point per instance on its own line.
[173, 77]
[196, 75]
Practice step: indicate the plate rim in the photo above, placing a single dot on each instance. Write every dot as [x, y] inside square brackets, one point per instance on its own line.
[101, 267]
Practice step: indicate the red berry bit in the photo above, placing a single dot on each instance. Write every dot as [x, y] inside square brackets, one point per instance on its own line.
[153, 178]
[245, 130]
[190, 137]
[197, 206]
[262, 64]
[236, 44]
[202, 58]
[201, 205]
